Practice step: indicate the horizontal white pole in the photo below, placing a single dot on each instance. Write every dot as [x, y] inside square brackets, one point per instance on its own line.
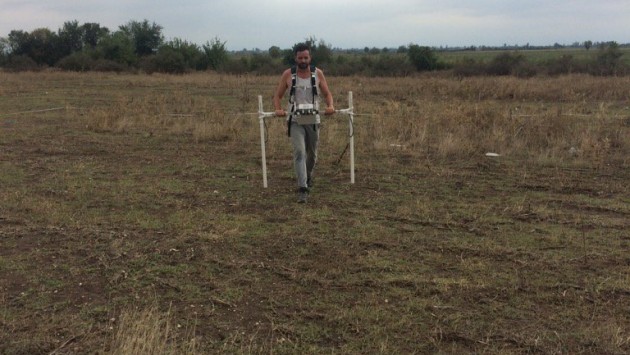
[266, 114]
[345, 111]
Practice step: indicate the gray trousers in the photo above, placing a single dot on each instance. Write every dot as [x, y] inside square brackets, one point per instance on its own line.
[304, 139]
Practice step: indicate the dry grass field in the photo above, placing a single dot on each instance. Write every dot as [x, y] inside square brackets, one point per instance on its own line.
[133, 218]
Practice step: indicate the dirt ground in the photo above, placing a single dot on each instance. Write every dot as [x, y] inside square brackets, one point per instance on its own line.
[486, 254]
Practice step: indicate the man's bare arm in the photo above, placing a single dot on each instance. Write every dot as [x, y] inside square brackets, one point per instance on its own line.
[323, 86]
[280, 90]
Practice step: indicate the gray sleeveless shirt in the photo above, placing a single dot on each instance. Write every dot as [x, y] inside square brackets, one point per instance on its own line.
[304, 95]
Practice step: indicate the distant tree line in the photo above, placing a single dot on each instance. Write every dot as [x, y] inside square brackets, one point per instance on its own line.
[139, 46]
[606, 61]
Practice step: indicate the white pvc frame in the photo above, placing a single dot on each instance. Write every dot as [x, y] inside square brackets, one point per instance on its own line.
[346, 111]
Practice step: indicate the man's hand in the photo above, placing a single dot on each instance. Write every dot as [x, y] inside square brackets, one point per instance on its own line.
[281, 113]
[330, 110]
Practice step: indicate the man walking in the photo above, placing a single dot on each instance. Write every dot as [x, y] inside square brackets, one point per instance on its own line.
[306, 83]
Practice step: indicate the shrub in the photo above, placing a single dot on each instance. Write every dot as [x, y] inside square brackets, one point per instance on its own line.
[390, 65]
[608, 61]
[525, 70]
[106, 65]
[423, 58]
[262, 64]
[236, 66]
[559, 66]
[21, 63]
[469, 67]
[216, 54]
[78, 61]
[505, 64]
[167, 60]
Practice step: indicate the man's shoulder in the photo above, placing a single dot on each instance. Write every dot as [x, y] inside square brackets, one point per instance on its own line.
[286, 75]
[287, 72]
[320, 74]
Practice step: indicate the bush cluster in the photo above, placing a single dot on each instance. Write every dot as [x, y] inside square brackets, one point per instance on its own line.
[140, 46]
[606, 62]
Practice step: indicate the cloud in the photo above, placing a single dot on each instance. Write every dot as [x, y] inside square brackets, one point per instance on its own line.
[349, 23]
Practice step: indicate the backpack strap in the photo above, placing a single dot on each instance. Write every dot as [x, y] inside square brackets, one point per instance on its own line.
[292, 98]
[313, 82]
[293, 84]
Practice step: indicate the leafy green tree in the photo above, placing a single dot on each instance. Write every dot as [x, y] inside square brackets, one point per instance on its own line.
[92, 33]
[117, 47]
[167, 60]
[192, 56]
[5, 49]
[323, 53]
[588, 44]
[146, 38]
[18, 42]
[70, 39]
[422, 57]
[44, 43]
[608, 58]
[288, 58]
[275, 52]
[216, 53]
[39, 45]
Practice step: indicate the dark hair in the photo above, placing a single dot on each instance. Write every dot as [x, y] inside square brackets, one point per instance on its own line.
[300, 47]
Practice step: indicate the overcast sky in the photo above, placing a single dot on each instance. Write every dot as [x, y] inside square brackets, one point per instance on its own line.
[341, 23]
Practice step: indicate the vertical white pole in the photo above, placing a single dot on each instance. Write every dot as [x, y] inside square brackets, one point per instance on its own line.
[261, 119]
[351, 123]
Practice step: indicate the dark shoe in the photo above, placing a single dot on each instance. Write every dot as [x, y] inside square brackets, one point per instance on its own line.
[302, 195]
[309, 182]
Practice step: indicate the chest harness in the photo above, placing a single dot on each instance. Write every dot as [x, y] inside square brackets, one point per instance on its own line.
[299, 110]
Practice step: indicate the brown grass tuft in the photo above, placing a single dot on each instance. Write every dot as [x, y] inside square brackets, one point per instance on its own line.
[149, 331]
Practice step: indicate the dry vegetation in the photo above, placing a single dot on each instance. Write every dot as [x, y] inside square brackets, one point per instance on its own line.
[133, 218]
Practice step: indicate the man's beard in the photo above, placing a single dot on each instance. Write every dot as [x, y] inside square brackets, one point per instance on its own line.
[302, 65]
